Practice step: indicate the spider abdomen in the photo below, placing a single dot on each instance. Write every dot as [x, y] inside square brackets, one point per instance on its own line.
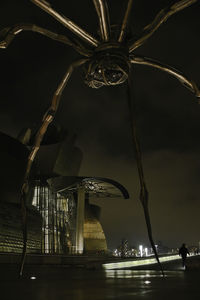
[109, 66]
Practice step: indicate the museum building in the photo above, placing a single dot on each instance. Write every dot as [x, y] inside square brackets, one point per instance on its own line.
[60, 217]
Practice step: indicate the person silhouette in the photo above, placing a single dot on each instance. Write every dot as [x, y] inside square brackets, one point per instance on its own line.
[183, 252]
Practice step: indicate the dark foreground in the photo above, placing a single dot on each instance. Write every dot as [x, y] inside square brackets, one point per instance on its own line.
[56, 282]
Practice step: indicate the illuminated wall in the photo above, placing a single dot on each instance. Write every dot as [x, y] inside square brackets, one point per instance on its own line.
[94, 237]
[58, 219]
[13, 160]
[11, 238]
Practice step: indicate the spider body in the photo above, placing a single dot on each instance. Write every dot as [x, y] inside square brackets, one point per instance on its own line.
[109, 65]
[107, 62]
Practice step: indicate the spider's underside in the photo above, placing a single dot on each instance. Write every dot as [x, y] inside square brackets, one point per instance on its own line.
[106, 61]
[108, 66]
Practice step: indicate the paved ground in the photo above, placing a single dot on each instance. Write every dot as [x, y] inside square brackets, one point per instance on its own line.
[56, 282]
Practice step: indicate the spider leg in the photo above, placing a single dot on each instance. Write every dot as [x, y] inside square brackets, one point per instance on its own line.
[125, 21]
[104, 20]
[9, 33]
[144, 195]
[81, 33]
[175, 73]
[47, 119]
[160, 18]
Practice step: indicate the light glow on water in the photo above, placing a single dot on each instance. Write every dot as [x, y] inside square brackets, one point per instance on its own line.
[145, 275]
[132, 274]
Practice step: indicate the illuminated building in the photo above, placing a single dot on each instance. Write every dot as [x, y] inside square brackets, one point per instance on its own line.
[58, 219]
[13, 156]
[89, 233]
[61, 219]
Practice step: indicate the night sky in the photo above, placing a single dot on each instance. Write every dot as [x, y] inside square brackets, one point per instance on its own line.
[168, 115]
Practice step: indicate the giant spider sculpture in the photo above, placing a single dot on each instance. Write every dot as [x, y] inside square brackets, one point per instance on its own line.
[107, 60]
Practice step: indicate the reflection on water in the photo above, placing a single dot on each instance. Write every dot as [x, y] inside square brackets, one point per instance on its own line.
[141, 274]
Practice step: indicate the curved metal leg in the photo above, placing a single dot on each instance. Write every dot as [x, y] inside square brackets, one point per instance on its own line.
[8, 34]
[160, 18]
[104, 20]
[67, 23]
[189, 84]
[125, 21]
[47, 119]
[144, 196]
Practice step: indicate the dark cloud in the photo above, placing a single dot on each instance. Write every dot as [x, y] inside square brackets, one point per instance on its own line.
[167, 113]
